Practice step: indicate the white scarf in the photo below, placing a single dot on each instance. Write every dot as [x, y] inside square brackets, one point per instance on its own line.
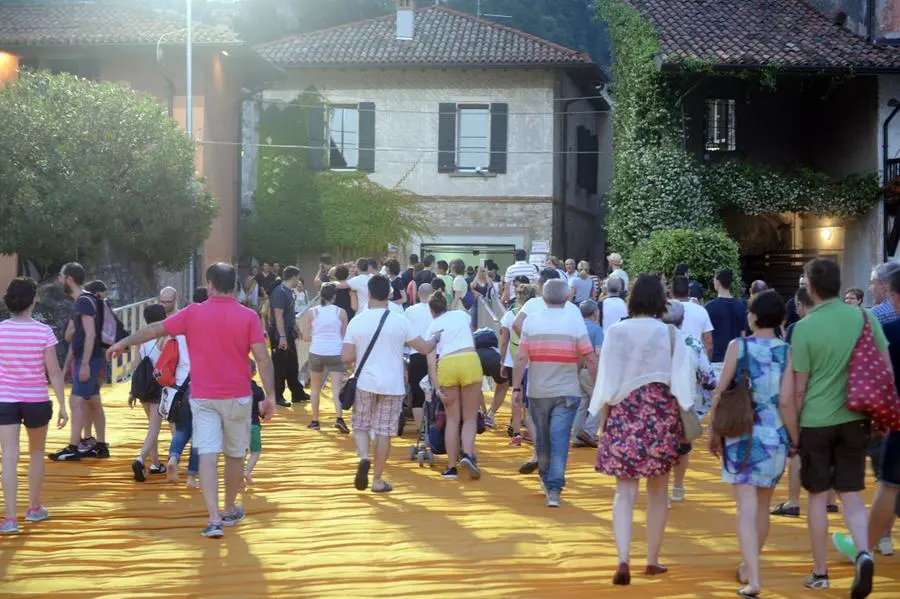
[637, 352]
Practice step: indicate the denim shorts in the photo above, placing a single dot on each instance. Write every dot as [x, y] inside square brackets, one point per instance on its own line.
[91, 387]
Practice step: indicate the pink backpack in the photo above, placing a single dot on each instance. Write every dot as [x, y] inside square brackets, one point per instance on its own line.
[870, 384]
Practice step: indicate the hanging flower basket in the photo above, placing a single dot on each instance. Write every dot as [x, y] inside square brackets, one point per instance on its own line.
[892, 192]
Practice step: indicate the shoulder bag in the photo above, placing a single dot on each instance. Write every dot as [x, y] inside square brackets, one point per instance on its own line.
[734, 413]
[174, 401]
[689, 419]
[870, 383]
[348, 392]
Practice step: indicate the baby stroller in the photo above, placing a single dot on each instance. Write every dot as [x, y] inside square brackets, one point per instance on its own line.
[430, 441]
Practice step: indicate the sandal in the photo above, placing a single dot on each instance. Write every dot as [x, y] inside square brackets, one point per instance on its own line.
[385, 488]
[747, 594]
[783, 509]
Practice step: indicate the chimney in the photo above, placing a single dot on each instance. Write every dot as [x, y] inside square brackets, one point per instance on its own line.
[406, 20]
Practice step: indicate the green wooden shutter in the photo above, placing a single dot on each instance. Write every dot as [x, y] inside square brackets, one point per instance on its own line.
[499, 136]
[447, 138]
[367, 137]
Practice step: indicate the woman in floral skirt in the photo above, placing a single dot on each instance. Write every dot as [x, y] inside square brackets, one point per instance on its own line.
[754, 463]
[642, 380]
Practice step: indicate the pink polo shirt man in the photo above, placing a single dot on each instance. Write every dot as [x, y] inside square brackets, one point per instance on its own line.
[219, 333]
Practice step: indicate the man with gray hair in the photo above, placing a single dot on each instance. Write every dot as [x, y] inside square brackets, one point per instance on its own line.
[613, 307]
[881, 292]
[584, 429]
[554, 345]
[168, 299]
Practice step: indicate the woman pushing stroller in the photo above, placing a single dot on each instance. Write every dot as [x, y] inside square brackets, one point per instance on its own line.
[457, 369]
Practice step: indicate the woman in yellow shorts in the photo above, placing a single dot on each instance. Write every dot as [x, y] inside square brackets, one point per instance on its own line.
[457, 369]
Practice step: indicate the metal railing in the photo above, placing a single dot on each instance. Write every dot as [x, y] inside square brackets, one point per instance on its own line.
[132, 316]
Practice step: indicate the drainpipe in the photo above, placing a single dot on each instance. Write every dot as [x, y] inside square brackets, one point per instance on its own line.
[870, 20]
[565, 174]
[892, 103]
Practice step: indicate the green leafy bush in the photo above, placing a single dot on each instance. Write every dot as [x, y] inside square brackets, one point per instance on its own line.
[704, 250]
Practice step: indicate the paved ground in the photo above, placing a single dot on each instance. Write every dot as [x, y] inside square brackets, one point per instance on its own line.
[310, 534]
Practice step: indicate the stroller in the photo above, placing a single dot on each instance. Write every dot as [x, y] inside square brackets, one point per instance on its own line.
[430, 441]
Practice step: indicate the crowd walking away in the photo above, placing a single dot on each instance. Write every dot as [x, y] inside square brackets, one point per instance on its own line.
[644, 369]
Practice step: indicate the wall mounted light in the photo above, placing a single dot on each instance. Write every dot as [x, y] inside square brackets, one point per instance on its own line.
[827, 234]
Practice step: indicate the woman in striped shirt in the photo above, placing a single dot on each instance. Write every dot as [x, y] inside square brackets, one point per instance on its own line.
[27, 358]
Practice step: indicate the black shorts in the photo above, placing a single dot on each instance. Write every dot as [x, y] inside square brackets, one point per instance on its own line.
[491, 363]
[31, 414]
[418, 370]
[834, 457]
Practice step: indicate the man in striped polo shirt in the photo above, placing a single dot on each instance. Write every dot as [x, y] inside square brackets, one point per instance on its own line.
[520, 268]
[554, 345]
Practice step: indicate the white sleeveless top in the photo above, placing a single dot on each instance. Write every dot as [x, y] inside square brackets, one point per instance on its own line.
[326, 331]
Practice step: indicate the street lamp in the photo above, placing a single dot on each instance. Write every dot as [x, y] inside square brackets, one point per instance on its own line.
[189, 114]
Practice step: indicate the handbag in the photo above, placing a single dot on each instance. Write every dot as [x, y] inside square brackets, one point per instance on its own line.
[173, 401]
[734, 413]
[690, 422]
[348, 392]
[870, 384]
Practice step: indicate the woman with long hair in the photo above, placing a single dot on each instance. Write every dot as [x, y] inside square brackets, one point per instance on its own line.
[27, 358]
[456, 368]
[753, 464]
[643, 382]
[581, 286]
[323, 327]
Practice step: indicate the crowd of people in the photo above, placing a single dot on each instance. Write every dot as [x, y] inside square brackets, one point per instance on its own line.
[630, 366]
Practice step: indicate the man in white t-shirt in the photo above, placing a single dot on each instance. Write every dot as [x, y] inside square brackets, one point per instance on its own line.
[359, 290]
[614, 307]
[697, 323]
[615, 264]
[381, 385]
[522, 268]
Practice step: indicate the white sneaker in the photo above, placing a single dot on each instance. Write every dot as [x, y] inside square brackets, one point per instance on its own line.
[677, 494]
[886, 546]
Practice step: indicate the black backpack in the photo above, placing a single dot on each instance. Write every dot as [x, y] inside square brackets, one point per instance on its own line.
[143, 383]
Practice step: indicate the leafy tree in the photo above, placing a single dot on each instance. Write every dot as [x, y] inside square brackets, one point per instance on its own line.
[298, 210]
[88, 164]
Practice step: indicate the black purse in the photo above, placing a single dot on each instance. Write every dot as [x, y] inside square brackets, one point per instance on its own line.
[348, 392]
[180, 402]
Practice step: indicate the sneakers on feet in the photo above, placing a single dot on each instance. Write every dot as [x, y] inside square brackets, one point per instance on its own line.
[213, 530]
[37, 514]
[470, 463]
[69, 453]
[786, 509]
[587, 439]
[845, 545]
[862, 580]
[489, 421]
[516, 441]
[816, 581]
[99, 451]
[86, 444]
[283, 403]
[886, 546]
[677, 494]
[233, 517]
[552, 498]
[9, 527]
[314, 425]
[510, 431]
[450, 474]
[528, 467]
[137, 467]
[341, 426]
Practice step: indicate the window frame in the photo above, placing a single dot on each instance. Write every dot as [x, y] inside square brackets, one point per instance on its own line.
[328, 138]
[485, 106]
[711, 117]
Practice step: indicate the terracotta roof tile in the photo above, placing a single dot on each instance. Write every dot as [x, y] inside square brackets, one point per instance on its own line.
[752, 33]
[78, 24]
[442, 37]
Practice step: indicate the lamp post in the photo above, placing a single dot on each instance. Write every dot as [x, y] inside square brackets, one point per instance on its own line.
[189, 115]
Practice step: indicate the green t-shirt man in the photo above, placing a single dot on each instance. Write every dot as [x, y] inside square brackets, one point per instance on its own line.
[822, 345]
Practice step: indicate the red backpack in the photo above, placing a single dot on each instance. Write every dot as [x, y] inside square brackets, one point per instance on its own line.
[164, 371]
[870, 384]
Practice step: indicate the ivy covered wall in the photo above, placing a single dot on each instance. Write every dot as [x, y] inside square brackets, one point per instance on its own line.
[658, 185]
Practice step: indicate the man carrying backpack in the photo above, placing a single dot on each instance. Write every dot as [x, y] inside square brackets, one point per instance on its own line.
[87, 355]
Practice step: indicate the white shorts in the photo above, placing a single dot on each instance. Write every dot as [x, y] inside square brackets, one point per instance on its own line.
[222, 425]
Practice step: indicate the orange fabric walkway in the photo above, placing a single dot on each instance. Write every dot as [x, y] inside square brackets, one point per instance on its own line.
[310, 534]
